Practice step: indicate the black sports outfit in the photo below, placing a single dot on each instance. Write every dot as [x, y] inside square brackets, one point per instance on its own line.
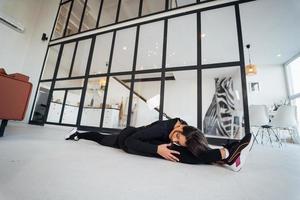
[145, 140]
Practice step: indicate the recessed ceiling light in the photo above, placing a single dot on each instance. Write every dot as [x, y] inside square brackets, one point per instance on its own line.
[279, 55]
[203, 35]
[125, 48]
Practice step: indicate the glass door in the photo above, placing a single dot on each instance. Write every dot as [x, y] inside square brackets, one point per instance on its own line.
[293, 71]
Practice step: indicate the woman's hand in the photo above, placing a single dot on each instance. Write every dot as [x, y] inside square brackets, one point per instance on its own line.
[167, 153]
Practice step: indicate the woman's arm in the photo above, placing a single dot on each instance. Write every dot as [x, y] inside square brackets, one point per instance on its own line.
[139, 142]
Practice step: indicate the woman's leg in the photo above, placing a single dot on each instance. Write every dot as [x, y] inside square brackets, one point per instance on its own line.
[206, 157]
[93, 136]
[106, 140]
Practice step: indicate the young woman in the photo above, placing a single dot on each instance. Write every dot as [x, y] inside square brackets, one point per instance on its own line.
[173, 140]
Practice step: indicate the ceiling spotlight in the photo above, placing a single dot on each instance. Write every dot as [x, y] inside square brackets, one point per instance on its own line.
[279, 55]
[203, 35]
[124, 48]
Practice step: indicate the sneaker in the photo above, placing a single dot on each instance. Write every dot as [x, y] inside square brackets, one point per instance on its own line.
[238, 153]
[231, 145]
[72, 135]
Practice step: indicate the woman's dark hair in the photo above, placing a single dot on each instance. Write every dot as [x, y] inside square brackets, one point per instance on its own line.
[182, 122]
[195, 140]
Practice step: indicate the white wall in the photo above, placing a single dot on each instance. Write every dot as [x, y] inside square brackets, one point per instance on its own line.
[272, 85]
[181, 96]
[24, 52]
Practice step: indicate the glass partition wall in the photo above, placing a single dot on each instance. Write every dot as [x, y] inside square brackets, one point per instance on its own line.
[175, 66]
[77, 16]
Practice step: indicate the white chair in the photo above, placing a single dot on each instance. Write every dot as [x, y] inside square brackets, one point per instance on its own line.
[286, 119]
[259, 118]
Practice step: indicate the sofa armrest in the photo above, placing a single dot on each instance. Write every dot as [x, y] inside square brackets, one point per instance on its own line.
[16, 76]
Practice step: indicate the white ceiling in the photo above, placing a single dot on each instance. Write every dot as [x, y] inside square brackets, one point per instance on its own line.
[272, 27]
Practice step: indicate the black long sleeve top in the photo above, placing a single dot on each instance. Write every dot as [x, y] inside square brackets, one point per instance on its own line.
[145, 140]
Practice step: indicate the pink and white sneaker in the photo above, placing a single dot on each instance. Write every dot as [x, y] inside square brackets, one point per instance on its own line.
[238, 153]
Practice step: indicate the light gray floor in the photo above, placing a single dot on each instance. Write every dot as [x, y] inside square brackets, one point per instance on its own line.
[36, 163]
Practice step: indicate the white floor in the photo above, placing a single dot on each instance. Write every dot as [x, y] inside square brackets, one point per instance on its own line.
[36, 163]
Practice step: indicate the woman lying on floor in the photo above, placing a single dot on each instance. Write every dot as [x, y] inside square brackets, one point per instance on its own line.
[173, 140]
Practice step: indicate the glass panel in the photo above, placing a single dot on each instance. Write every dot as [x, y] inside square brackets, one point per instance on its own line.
[129, 9]
[75, 17]
[146, 99]
[81, 58]
[222, 104]
[180, 3]
[56, 106]
[182, 42]
[294, 70]
[177, 104]
[93, 102]
[150, 46]
[108, 12]
[61, 21]
[66, 60]
[219, 34]
[101, 54]
[71, 107]
[50, 62]
[296, 102]
[41, 103]
[116, 107]
[69, 83]
[123, 50]
[91, 15]
[150, 6]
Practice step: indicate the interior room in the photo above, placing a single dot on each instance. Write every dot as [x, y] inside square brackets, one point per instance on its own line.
[228, 68]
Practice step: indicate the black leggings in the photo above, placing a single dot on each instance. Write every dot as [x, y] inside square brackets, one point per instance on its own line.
[207, 157]
[106, 140]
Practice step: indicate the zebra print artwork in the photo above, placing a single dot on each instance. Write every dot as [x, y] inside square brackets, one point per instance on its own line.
[218, 117]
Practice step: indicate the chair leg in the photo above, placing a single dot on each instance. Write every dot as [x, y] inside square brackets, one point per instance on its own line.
[291, 133]
[2, 127]
[262, 135]
[269, 134]
[255, 135]
[277, 136]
